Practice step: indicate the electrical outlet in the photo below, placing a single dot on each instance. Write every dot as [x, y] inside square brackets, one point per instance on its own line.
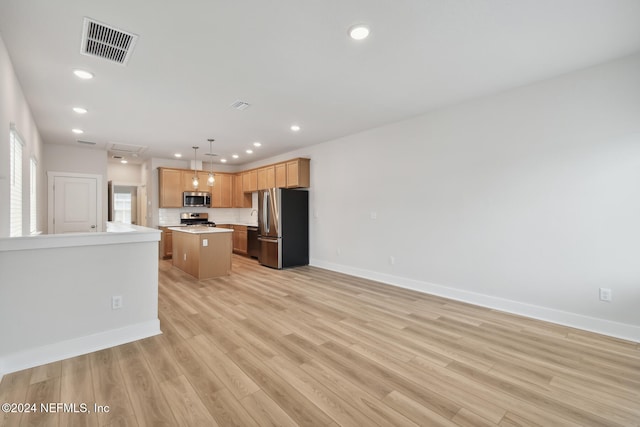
[605, 294]
[205, 242]
[116, 302]
[374, 215]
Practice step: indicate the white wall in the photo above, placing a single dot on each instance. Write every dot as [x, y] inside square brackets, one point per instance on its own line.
[527, 201]
[14, 109]
[125, 174]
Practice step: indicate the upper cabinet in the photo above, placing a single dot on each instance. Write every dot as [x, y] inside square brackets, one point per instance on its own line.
[187, 181]
[240, 198]
[232, 190]
[170, 183]
[266, 177]
[281, 175]
[222, 191]
[298, 173]
[250, 181]
[294, 173]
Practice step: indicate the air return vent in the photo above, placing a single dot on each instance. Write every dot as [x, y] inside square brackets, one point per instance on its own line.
[125, 149]
[240, 105]
[105, 41]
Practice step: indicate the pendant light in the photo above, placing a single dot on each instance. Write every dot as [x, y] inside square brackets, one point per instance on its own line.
[194, 181]
[211, 178]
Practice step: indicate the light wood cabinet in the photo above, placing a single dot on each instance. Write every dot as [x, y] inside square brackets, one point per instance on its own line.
[170, 185]
[298, 173]
[240, 239]
[192, 256]
[187, 181]
[240, 198]
[266, 177]
[250, 181]
[281, 175]
[222, 191]
[230, 190]
[166, 243]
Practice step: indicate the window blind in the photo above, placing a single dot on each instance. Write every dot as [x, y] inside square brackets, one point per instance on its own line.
[33, 196]
[15, 160]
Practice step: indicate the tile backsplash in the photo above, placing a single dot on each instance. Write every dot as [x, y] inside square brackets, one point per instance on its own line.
[218, 215]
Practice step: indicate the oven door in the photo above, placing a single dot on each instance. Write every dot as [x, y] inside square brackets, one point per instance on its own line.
[270, 252]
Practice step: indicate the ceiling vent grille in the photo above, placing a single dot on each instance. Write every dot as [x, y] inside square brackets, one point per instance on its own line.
[240, 105]
[105, 41]
[126, 148]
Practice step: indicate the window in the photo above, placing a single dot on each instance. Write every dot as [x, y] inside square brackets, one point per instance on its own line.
[15, 170]
[122, 207]
[33, 196]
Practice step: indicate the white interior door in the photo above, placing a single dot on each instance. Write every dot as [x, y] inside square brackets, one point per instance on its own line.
[75, 204]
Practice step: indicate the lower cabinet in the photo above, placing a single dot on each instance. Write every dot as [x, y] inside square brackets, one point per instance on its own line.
[240, 245]
[240, 239]
[166, 243]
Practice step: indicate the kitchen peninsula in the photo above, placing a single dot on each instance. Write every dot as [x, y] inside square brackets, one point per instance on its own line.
[203, 252]
[69, 294]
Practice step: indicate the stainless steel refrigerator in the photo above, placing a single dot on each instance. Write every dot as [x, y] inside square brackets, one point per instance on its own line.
[283, 227]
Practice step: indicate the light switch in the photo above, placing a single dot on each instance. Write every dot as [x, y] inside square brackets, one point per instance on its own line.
[205, 242]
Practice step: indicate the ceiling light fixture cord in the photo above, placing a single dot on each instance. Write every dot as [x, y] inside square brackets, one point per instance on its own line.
[195, 160]
[211, 178]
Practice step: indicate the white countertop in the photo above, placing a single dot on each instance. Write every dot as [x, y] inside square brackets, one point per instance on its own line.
[246, 224]
[200, 230]
[116, 233]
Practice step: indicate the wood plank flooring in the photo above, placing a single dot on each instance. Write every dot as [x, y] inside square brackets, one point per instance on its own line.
[309, 347]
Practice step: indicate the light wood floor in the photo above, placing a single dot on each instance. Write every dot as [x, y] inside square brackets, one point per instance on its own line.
[311, 347]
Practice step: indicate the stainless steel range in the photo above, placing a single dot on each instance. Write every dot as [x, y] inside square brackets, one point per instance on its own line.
[196, 218]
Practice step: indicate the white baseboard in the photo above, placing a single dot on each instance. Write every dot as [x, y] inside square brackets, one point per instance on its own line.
[77, 346]
[574, 320]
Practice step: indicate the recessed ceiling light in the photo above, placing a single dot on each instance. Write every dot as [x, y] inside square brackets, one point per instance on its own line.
[77, 131]
[257, 144]
[123, 161]
[295, 128]
[235, 156]
[249, 151]
[359, 32]
[178, 155]
[223, 160]
[80, 110]
[85, 75]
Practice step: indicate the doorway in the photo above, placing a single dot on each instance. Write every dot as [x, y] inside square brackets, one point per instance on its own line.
[127, 203]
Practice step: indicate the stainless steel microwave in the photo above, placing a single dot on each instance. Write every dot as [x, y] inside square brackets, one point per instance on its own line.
[196, 198]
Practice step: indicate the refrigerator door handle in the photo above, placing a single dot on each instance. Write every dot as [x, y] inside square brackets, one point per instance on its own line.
[265, 211]
[263, 239]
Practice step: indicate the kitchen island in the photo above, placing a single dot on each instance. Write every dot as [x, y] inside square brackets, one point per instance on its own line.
[203, 252]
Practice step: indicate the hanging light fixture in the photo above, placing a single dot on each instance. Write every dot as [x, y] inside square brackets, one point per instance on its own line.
[211, 178]
[194, 181]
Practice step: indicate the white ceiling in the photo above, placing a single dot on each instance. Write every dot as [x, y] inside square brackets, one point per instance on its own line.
[293, 62]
